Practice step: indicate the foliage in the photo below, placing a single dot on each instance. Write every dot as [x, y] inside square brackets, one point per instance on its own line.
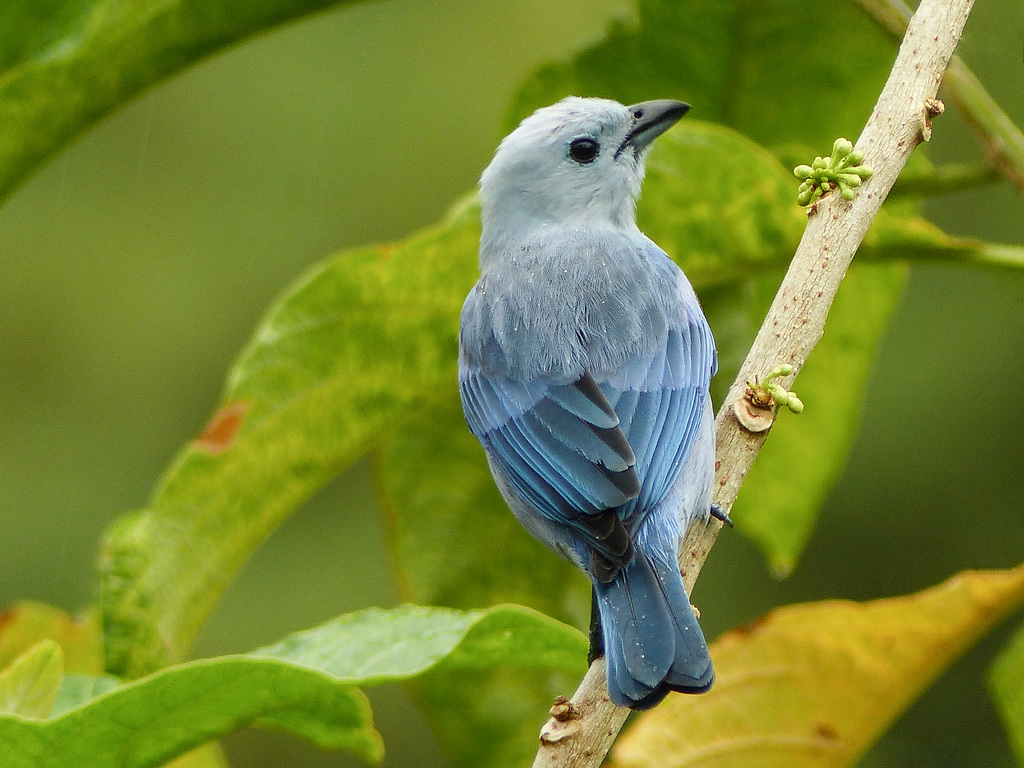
[305, 684]
[65, 65]
[312, 392]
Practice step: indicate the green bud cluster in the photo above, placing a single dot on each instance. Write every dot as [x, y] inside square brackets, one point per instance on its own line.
[781, 396]
[843, 169]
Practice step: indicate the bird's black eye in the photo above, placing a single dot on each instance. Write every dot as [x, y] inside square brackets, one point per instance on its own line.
[584, 151]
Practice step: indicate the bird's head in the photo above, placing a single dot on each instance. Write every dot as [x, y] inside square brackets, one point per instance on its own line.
[578, 161]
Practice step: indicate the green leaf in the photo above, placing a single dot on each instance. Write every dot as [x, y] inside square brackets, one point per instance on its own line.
[773, 70]
[719, 204]
[303, 684]
[29, 686]
[779, 503]
[813, 685]
[1006, 684]
[443, 533]
[154, 719]
[349, 351]
[724, 209]
[378, 646]
[702, 175]
[65, 65]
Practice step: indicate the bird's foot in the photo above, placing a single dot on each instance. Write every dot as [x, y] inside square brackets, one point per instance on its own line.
[720, 514]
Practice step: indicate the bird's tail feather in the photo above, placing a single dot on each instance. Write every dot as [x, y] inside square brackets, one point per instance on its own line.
[652, 641]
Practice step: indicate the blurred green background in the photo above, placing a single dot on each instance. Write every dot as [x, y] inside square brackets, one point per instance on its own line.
[135, 265]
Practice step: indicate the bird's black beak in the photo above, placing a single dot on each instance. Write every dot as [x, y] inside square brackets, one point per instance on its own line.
[650, 120]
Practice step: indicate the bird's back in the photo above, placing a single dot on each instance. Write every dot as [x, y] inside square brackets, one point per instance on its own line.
[612, 307]
[551, 307]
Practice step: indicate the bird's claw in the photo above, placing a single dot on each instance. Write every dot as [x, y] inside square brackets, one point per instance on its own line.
[720, 514]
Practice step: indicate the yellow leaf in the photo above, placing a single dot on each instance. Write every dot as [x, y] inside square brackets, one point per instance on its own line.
[207, 756]
[26, 623]
[814, 685]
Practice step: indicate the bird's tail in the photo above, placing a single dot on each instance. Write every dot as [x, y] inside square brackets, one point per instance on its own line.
[652, 641]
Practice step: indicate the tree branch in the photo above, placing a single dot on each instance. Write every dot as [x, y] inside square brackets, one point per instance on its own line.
[900, 121]
[1001, 140]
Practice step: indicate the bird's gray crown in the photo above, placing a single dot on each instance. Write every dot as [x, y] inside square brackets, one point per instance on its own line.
[562, 164]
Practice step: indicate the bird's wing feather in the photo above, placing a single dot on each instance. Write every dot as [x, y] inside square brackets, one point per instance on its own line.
[660, 417]
[583, 448]
[560, 448]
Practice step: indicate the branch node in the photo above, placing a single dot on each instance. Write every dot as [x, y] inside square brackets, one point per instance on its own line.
[932, 108]
[756, 409]
[564, 710]
[752, 417]
[555, 730]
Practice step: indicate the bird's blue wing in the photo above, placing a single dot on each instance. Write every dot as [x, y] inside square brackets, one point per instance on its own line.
[560, 447]
[575, 451]
[661, 408]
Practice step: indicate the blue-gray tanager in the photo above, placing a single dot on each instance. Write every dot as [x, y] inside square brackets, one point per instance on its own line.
[584, 365]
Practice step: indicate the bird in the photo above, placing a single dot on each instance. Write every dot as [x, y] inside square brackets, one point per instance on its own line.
[585, 362]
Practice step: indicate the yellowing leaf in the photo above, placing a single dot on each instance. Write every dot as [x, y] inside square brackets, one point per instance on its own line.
[26, 623]
[207, 756]
[29, 686]
[813, 685]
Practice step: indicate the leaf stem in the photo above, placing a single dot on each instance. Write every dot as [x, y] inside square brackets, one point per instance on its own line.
[1001, 140]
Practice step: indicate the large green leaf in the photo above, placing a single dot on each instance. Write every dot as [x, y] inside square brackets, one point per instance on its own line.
[354, 346]
[63, 65]
[304, 684]
[724, 209]
[725, 212]
[785, 72]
